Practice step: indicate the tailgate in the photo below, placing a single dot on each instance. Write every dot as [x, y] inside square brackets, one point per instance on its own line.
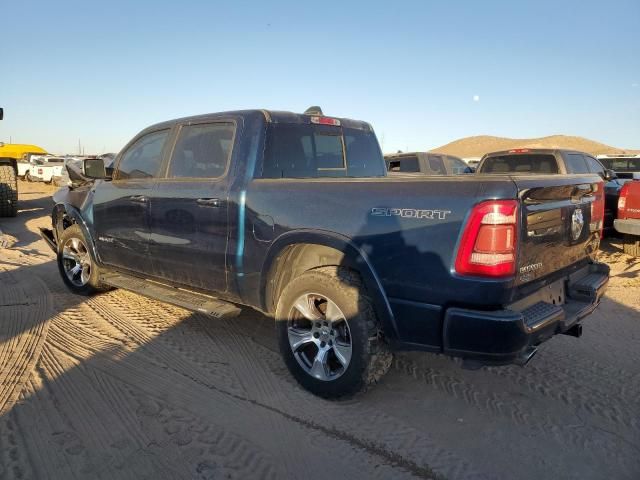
[561, 222]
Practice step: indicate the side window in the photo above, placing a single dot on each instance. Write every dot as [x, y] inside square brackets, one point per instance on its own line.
[576, 163]
[436, 164]
[394, 166]
[143, 158]
[455, 165]
[594, 165]
[202, 151]
[409, 164]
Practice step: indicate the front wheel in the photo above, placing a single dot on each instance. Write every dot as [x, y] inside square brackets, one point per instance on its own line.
[76, 264]
[329, 335]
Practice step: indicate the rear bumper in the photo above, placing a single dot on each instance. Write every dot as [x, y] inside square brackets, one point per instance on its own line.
[509, 336]
[628, 226]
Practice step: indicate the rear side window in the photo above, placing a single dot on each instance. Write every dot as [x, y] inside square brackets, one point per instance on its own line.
[202, 151]
[310, 151]
[409, 164]
[143, 158]
[520, 164]
[576, 163]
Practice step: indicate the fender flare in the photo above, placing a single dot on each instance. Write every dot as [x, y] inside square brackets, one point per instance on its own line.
[354, 258]
[57, 216]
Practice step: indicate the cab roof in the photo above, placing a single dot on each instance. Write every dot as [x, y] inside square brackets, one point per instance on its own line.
[269, 116]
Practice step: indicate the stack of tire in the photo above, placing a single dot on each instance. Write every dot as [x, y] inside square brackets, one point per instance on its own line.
[8, 188]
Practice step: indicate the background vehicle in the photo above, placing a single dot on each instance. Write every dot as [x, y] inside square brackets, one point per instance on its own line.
[8, 180]
[528, 161]
[473, 162]
[626, 166]
[426, 163]
[628, 221]
[28, 163]
[291, 214]
[46, 172]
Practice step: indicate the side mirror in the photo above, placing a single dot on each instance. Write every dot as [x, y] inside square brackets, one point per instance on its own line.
[94, 168]
[609, 175]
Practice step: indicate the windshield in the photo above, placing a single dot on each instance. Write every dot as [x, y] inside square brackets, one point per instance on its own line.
[520, 164]
[456, 165]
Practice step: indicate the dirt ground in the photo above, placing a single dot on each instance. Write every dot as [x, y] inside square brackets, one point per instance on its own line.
[119, 386]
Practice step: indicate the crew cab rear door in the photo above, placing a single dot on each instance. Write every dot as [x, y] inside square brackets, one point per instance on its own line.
[188, 211]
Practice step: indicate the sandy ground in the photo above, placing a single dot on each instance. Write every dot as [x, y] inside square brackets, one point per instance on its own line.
[119, 386]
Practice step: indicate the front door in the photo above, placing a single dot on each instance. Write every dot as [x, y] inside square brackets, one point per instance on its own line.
[121, 206]
[188, 211]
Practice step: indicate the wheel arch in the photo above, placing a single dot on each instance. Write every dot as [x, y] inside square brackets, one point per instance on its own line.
[297, 252]
[64, 215]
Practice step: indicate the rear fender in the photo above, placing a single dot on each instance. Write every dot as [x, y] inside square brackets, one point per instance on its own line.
[347, 255]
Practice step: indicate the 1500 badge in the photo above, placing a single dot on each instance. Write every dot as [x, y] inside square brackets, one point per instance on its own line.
[409, 213]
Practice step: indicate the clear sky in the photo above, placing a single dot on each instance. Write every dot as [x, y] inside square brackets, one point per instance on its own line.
[422, 73]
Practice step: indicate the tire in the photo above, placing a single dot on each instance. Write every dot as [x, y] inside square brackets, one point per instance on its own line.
[27, 177]
[8, 191]
[631, 245]
[349, 339]
[73, 251]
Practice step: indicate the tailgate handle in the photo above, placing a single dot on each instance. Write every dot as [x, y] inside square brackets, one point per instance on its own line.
[138, 198]
[209, 202]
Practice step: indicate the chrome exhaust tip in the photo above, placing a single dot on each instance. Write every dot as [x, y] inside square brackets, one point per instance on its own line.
[526, 357]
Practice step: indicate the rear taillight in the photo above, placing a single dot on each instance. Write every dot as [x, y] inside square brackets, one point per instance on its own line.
[622, 201]
[597, 208]
[488, 244]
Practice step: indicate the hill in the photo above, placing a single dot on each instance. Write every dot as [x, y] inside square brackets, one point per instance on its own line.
[479, 145]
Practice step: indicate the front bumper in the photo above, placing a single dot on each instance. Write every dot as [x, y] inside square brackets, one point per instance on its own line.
[509, 335]
[629, 226]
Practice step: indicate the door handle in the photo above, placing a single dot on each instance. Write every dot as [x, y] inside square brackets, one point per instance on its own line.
[138, 198]
[209, 202]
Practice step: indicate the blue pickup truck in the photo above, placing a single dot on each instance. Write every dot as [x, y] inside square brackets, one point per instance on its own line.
[294, 215]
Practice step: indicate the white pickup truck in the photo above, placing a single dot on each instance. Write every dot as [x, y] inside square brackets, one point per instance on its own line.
[28, 165]
[47, 172]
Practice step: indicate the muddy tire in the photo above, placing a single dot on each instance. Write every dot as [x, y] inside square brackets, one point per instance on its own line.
[631, 245]
[328, 333]
[8, 191]
[27, 177]
[76, 264]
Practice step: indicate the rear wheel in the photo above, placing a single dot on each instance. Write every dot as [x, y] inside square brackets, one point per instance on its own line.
[76, 264]
[8, 191]
[27, 177]
[328, 333]
[631, 245]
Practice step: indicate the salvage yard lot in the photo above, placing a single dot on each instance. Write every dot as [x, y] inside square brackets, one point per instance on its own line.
[119, 386]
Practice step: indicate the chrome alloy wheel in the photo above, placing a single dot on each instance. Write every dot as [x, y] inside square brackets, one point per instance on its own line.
[76, 262]
[319, 336]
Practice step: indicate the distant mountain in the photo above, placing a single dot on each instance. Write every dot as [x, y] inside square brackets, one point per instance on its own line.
[481, 144]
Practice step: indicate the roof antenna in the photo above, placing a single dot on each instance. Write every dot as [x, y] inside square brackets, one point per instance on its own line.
[314, 110]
